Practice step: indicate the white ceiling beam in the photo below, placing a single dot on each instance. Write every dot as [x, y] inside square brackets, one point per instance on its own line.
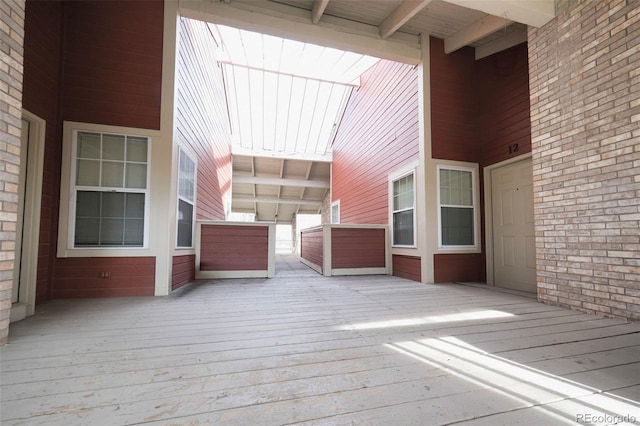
[474, 32]
[407, 10]
[275, 200]
[298, 183]
[323, 158]
[530, 12]
[318, 9]
[503, 43]
[293, 23]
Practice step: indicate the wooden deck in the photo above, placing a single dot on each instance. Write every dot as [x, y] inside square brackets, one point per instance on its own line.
[304, 349]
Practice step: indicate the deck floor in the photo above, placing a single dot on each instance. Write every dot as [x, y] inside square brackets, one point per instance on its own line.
[304, 349]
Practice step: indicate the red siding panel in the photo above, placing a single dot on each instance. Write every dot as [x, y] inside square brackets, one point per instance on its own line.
[503, 118]
[378, 134]
[453, 103]
[408, 267]
[113, 62]
[183, 270]
[234, 248]
[312, 246]
[83, 277]
[201, 117]
[41, 96]
[459, 268]
[357, 248]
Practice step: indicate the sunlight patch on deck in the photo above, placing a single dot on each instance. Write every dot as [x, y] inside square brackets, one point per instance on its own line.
[559, 397]
[406, 322]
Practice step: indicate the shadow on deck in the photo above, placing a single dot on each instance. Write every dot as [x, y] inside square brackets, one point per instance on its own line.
[302, 348]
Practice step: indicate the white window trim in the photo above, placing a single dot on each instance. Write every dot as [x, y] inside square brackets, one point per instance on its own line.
[183, 151]
[406, 171]
[66, 220]
[467, 167]
[337, 205]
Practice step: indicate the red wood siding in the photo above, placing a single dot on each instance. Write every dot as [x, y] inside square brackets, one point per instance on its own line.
[201, 117]
[357, 248]
[459, 268]
[378, 134]
[312, 246]
[453, 132]
[113, 62]
[503, 115]
[479, 109]
[41, 96]
[408, 267]
[183, 270]
[81, 277]
[234, 248]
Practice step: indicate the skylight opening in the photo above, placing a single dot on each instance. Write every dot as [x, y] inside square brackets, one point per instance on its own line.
[285, 96]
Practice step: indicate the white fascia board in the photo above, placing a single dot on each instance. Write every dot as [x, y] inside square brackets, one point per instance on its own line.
[293, 23]
[530, 12]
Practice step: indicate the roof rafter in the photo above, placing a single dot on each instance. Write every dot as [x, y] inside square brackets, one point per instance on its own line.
[275, 200]
[301, 183]
[474, 32]
[318, 9]
[407, 10]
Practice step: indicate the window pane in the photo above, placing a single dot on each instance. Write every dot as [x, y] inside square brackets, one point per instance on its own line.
[403, 228]
[111, 232]
[136, 175]
[113, 147]
[113, 204]
[88, 173]
[87, 232]
[137, 149]
[134, 232]
[135, 206]
[185, 224]
[112, 174]
[88, 145]
[457, 226]
[88, 204]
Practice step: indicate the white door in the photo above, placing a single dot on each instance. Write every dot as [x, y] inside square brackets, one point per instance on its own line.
[514, 256]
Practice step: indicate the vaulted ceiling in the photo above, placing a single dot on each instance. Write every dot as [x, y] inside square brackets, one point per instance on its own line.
[291, 174]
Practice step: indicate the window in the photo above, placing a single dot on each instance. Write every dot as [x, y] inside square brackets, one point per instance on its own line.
[457, 207]
[403, 211]
[110, 189]
[186, 199]
[335, 212]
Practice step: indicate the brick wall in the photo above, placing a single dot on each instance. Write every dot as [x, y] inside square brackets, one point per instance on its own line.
[585, 110]
[11, 46]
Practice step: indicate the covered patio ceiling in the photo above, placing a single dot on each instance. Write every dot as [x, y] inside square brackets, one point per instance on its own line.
[286, 97]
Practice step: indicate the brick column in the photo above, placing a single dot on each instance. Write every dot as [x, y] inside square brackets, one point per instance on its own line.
[584, 70]
[11, 55]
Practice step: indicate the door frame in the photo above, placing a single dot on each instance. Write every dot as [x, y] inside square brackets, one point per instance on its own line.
[32, 203]
[488, 212]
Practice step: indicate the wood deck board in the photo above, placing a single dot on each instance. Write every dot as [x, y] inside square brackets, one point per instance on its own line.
[289, 351]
